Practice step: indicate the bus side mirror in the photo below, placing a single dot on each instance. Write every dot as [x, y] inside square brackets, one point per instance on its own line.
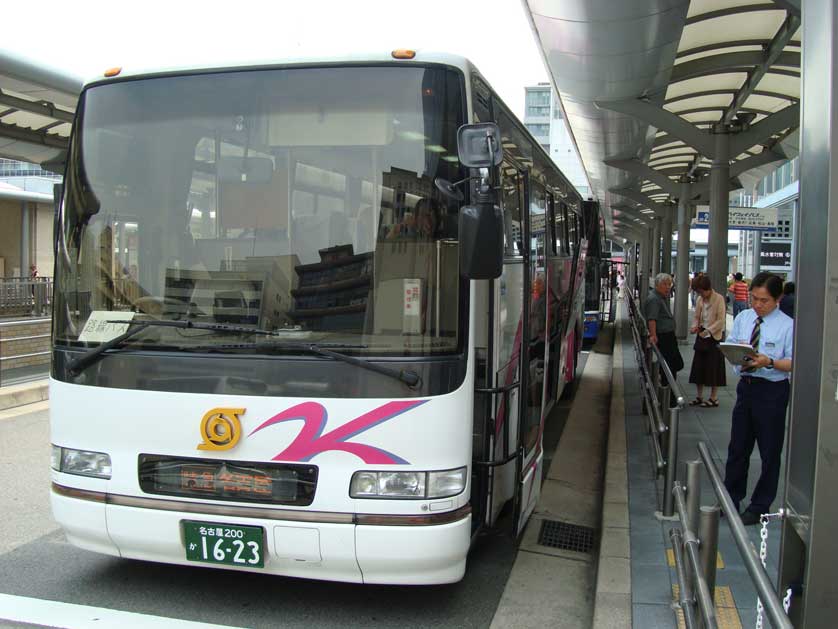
[481, 242]
[479, 145]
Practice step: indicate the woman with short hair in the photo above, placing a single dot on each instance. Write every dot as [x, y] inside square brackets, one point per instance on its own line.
[708, 368]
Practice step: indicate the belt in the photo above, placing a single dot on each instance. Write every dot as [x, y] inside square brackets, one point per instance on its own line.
[758, 380]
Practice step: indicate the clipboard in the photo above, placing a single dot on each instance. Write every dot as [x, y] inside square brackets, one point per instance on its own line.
[737, 352]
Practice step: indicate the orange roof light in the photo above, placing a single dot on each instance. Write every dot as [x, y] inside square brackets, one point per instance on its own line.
[113, 71]
[403, 53]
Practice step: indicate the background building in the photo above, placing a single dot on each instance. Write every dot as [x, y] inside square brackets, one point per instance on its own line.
[543, 118]
[26, 216]
[771, 251]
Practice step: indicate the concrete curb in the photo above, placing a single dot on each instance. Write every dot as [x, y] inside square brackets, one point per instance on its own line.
[553, 587]
[21, 394]
[612, 599]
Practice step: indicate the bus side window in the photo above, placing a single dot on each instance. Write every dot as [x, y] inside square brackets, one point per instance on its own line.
[552, 248]
[511, 199]
[561, 229]
[572, 233]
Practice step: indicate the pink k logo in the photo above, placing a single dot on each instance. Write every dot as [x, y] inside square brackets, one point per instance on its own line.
[311, 441]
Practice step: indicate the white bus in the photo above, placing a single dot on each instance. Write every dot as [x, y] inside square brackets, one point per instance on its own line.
[297, 329]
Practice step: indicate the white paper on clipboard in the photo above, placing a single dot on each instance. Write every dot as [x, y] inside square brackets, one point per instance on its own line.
[736, 352]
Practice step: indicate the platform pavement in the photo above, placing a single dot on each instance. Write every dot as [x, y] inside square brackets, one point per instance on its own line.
[550, 586]
[21, 393]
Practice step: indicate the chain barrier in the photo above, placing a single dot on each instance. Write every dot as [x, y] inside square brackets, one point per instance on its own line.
[764, 519]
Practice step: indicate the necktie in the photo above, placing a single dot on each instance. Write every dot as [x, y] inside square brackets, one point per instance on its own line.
[755, 334]
[754, 340]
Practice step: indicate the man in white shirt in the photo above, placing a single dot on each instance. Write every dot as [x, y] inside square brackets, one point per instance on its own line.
[762, 396]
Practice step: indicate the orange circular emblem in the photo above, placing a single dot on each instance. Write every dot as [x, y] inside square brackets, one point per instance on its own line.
[221, 428]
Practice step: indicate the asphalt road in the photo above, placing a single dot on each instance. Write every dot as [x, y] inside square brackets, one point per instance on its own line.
[37, 565]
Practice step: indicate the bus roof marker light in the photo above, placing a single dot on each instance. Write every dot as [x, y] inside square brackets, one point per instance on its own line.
[110, 72]
[403, 53]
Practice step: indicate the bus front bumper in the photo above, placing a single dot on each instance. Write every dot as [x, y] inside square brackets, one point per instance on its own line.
[357, 548]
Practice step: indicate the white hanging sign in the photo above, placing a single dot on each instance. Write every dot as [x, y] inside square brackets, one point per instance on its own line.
[746, 218]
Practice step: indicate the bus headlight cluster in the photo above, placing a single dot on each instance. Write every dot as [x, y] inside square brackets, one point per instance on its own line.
[419, 485]
[81, 462]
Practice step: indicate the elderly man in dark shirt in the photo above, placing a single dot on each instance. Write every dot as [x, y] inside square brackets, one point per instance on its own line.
[661, 323]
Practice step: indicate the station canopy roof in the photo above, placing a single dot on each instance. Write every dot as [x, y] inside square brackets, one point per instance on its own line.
[36, 111]
[645, 83]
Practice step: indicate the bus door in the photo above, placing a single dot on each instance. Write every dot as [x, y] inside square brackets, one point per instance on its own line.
[531, 461]
[509, 329]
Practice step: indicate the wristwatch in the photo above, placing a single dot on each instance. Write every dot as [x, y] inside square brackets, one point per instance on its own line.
[770, 363]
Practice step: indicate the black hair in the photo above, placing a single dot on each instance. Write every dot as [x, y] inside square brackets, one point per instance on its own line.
[772, 283]
[703, 283]
[737, 277]
[788, 288]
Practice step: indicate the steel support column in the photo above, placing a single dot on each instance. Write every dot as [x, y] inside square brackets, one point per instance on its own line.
[808, 553]
[24, 239]
[682, 262]
[655, 249]
[717, 243]
[757, 252]
[646, 257]
[666, 242]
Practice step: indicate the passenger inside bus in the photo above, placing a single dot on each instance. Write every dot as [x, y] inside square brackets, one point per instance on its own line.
[420, 225]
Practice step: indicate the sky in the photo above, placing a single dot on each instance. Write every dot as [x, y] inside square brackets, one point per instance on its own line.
[85, 37]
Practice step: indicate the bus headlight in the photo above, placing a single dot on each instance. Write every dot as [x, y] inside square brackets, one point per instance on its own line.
[81, 462]
[416, 485]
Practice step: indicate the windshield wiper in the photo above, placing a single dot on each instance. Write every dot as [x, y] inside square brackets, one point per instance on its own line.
[77, 365]
[409, 377]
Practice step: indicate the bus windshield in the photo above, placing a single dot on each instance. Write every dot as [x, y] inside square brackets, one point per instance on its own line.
[296, 200]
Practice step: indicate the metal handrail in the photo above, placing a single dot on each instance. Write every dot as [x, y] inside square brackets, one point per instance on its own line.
[651, 365]
[760, 578]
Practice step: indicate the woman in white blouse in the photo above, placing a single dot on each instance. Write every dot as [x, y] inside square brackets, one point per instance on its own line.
[708, 368]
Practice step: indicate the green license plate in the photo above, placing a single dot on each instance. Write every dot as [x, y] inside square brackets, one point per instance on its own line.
[228, 544]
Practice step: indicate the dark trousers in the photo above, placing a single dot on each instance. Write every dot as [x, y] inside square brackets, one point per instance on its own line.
[759, 416]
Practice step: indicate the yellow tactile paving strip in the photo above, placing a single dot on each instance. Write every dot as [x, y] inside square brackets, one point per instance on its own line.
[727, 616]
[670, 559]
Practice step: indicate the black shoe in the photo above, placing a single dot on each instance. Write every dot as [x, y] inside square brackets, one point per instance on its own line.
[749, 518]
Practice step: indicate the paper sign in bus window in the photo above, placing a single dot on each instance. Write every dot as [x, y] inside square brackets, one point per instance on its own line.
[412, 306]
[99, 328]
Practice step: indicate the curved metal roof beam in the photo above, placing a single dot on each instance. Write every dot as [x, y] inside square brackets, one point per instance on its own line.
[771, 57]
[642, 199]
[635, 166]
[745, 8]
[663, 120]
[722, 108]
[726, 92]
[792, 6]
[40, 138]
[743, 60]
[36, 107]
[762, 43]
[788, 118]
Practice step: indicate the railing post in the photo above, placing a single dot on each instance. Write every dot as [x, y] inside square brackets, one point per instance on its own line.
[671, 463]
[693, 493]
[685, 595]
[708, 537]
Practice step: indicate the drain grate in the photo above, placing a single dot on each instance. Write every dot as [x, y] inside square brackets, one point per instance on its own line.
[566, 536]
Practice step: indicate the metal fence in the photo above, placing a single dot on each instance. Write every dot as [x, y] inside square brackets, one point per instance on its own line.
[25, 296]
[695, 544]
[657, 394]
